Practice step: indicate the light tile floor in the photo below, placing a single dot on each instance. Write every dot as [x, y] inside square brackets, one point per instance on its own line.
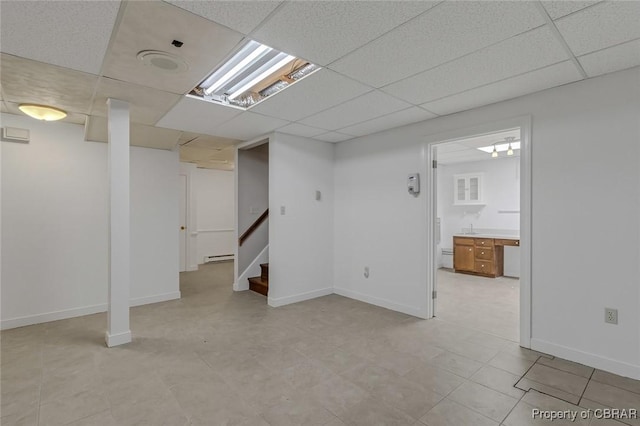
[491, 305]
[216, 357]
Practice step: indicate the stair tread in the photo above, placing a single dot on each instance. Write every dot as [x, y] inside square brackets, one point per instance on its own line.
[259, 285]
[259, 280]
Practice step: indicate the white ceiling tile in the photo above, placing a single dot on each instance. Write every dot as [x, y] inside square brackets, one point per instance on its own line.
[554, 75]
[448, 31]
[194, 115]
[333, 137]
[248, 125]
[526, 52]
[147, 105]
[27, 81]
[241, 16]
[559, 8]
[301, 130]
[319, 91]
[71, 34]
[615, 58]
[371, 105]
[395, 119]
[153, 25]
[323, 31]
[601, 26]
[139, 134]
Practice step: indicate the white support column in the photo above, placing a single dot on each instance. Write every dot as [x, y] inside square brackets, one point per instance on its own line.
[118, 331]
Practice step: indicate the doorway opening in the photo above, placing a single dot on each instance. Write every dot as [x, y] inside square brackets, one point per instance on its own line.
[479, 216]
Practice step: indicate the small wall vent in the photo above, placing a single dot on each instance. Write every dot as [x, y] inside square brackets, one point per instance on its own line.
[14, 134]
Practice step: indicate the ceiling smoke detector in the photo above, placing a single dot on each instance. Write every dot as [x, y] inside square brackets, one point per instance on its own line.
[163, 61]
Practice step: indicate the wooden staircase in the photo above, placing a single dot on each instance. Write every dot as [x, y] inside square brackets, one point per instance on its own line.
[261, 284]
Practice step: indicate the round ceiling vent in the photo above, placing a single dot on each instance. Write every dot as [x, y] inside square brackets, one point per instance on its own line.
[163, 61]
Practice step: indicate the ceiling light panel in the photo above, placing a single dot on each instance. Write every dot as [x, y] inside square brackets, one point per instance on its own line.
[71, 34]
[323, 31]
[252, 74]
[448, 31]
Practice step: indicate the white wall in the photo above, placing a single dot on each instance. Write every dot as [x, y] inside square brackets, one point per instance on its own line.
[501, 192]
[301, 240]
[253, 199]
[585, 216]
[54, 220]
[214, 190]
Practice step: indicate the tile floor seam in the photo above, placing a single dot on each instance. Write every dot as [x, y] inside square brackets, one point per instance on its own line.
[586, 386]
[513, 408]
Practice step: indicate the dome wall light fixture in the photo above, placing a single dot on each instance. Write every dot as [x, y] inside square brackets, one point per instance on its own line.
[42, 112]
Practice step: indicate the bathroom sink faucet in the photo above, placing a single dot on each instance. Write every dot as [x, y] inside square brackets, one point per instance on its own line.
[471, 228]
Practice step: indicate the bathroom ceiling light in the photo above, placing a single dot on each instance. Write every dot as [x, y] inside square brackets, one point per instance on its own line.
[500, 147]
[42, 112]
[242, 80]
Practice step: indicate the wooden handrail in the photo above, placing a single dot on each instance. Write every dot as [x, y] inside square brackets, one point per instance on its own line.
[253, 227]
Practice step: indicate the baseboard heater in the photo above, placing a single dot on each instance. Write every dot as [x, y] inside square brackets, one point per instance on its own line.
[218, 258]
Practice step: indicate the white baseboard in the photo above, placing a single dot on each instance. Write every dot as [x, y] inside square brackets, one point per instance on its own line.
[117, 339]
[409, 310]
[138, 301]
[253, 270]
[592, 360]
[287, 300]
[79, 312]
[52, 316]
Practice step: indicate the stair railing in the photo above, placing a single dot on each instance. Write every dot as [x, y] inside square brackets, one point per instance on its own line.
[253, 227]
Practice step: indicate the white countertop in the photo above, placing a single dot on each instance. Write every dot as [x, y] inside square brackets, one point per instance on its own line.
[503, 237]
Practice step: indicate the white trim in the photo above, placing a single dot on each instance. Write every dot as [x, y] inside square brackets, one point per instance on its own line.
[384, 303]
[253, 270]
[592, 360]
[187, 169]
[428, 228]
[80, 312]
[147, 300]
[52, 316]
[287, 300]
[117, 339]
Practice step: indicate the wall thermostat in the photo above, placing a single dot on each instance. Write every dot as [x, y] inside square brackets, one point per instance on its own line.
[413, 183]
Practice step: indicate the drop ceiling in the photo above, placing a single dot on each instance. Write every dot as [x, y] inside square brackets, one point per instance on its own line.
[385, 63]
[466, 150]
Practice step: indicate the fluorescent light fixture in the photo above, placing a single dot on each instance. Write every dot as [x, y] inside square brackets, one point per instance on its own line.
[242, 81]
[42, 112]
[259, 51]
[500, 147]
[256, 79]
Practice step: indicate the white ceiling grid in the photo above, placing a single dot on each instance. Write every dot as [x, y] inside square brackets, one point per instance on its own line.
[388, 63]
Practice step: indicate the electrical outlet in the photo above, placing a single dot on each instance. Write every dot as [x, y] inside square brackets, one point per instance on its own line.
[610, 316]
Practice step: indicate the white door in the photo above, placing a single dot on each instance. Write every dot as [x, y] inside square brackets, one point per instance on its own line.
[183, 223]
